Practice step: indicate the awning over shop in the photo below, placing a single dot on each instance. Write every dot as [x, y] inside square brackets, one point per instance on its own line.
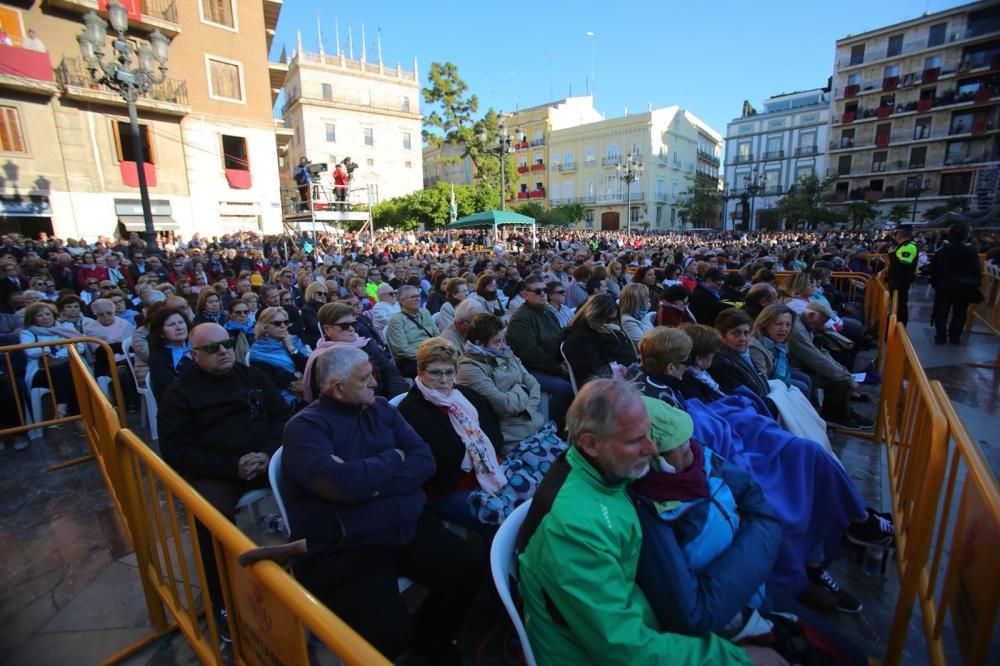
[138, 223]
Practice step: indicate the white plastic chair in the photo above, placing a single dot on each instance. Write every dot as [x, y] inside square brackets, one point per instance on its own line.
[273, 476]
[251, 499]
[397, 399]
[36, 409]
[502, 564]
[569, 368]
[148, 410]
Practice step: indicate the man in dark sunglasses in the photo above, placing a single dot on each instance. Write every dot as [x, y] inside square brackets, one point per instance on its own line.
[219, 423]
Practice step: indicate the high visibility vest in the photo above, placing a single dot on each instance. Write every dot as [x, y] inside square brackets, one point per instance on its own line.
[907, 253]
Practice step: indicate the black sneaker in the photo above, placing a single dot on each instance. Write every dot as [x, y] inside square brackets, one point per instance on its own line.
[878, 531]
[846, 602]
[853, 422]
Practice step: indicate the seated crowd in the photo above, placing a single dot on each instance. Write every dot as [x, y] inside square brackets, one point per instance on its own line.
[665, 406]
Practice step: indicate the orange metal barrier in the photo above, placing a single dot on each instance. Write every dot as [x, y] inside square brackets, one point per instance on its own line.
[269, 612]
[31, 401]
[933, 463]
[987, 312]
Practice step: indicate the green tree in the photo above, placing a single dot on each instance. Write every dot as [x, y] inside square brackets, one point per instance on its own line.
[899, 213]
[699, 204]
[563, 215]
[431, 207]
[952, 205]
[804, 205]
[859, 213]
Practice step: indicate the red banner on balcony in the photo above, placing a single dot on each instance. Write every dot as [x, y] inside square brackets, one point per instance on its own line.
[130, 174]
[25, 63]
[930, 74]
[851, 90]
[882, 140]
[848, 117]
[523, 168]
[133, 7]
[522, 195]
[537, 167]
[925, 104]
[979, 127]
[884, 111]
[239, 179]
[890, 82]
[983, 95]
[538, 194]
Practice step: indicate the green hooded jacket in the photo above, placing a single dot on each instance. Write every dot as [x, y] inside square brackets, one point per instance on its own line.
[577, 580]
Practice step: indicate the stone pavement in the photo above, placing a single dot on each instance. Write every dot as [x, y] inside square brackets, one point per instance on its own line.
[69, 587]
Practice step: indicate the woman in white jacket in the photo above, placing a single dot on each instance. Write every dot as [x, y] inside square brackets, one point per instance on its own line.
[40, 326]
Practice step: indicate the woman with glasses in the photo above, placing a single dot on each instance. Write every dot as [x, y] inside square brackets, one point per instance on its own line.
[240, 328]
[673, 309]
[491, 369]
[594, 341]
[278, 353]
[169, 350]
[208, 307]
[316, 297]
[339, 324]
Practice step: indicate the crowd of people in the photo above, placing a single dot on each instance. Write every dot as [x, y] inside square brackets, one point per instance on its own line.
[664, 399]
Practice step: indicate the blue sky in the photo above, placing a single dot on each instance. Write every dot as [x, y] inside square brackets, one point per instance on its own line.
[705, 56]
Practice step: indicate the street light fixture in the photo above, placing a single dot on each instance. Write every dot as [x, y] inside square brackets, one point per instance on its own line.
[919, 187]
[754, 185]
[504, 145]
[130, 80]
[629, 171]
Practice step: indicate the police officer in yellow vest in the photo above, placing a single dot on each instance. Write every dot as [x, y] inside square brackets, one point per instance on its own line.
[903, 269]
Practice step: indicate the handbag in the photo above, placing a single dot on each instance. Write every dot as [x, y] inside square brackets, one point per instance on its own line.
[798, 416]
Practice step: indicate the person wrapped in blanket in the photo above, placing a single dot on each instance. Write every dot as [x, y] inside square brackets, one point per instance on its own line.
[472, 486]
[710, 540]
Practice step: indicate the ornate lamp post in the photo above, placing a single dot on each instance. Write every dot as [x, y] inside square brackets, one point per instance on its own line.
[629, 171]
[131, 71]
[754, 186]
[504, 144]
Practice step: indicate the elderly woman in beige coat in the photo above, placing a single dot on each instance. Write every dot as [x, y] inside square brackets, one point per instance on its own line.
[491, 369]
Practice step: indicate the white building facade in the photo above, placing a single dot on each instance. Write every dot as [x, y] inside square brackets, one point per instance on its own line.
[768, 151]
[338, 108]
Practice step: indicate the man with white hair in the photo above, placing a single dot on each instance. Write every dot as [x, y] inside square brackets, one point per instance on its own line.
[407, 329]
[580, 545]
[352, 476]
[465, 313]
[386, 306]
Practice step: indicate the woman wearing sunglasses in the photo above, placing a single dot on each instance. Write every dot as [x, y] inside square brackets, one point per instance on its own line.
[278, 353]
[338, 321]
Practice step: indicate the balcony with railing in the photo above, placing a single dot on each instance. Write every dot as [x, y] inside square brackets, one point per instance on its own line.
[708, 156]
[805, 151]
[970, 64]
[537, 142]
[536, 194]
[27, 71]
[982, 95]
[914, 46]
[742, 159]
[771, 155]
[609, 161]
[567, 167]
[143, 15]
[169, 97]
[538, 166]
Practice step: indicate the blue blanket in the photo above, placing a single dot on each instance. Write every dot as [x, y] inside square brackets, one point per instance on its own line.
[811, 494]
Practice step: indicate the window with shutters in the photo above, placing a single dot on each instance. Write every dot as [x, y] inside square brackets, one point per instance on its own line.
[219, 12]
[11, 138]
[225, 79]
[125, 149]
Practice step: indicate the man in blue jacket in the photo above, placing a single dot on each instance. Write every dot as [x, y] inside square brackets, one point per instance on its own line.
[351, 477]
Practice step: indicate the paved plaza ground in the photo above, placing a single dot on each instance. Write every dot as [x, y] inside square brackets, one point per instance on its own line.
[69, 587]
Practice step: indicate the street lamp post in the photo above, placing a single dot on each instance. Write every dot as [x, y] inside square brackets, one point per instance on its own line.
[629, 171]
[131, 79]
[503, 146]
[754, 186]
[920, 188]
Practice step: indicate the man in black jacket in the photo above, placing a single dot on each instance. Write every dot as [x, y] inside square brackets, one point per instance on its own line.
[219, 424]
[705, 301]
[955, 275]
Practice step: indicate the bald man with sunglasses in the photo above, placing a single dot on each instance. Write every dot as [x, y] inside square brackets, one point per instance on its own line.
[219, 423]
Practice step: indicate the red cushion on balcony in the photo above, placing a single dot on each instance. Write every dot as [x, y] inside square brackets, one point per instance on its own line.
[239, 179]
[133, 7]
[130, 174]
[25, 63]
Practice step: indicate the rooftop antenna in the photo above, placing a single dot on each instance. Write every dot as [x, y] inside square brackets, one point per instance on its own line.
[378, 34]
[350, 40]
[336, 28]
[319, 34]
[364, 51]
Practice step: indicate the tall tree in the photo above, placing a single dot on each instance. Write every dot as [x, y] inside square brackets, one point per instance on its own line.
[699, 204]
[804, 205]
[860, 212]
[899, 213]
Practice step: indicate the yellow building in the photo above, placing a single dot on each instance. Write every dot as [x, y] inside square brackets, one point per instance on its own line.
[445, 164]
[207, 129]
[673, 145]
[914, 110]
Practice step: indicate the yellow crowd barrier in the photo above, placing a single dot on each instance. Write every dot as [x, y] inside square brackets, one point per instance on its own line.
[270, 615]
[987, 312]
[31, 399]
[930, 455]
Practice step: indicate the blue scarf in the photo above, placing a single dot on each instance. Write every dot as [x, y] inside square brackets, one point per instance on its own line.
[483, 351]
[273, 352]
[779, 351]
[178, 353]
[246, 329]
[210, 316]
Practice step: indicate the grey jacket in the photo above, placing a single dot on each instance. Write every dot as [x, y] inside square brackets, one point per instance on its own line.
[761, 357]
[804, 353]
[404, 334]
[509, 388]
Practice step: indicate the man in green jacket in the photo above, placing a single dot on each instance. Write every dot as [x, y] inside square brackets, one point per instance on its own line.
[580, 546]
[534, 334]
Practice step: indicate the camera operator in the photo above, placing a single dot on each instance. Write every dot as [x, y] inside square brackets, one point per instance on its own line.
[340, 180]
[303, 180]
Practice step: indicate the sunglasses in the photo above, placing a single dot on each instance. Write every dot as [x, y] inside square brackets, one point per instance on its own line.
[537, 292]
[214, 347]
[282, 323]
[241, 312]
[558, 291]
[345, 325]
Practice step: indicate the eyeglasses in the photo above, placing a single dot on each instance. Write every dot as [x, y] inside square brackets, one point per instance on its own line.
[537, 292]
[214, 347]
[345, 325]
[319, 293]
[282, 323]
[241, 312]
[440, 374]
[558, 291]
